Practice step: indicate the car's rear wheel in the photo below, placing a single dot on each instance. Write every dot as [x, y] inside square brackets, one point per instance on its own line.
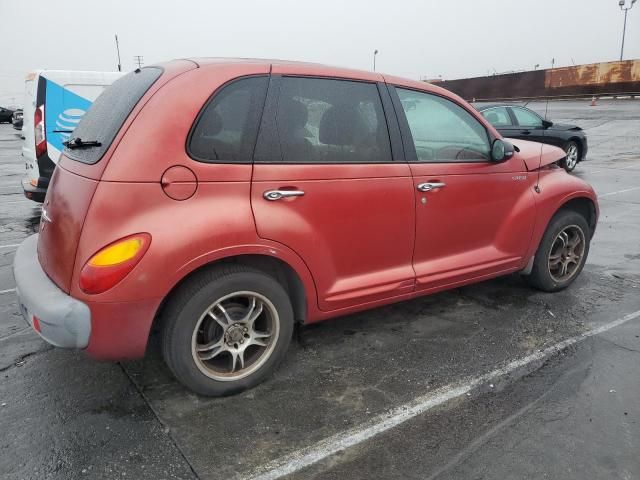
[226, 330]
[562, 252]
[573, 156]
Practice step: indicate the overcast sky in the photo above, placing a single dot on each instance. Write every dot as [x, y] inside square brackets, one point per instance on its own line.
[415, 38]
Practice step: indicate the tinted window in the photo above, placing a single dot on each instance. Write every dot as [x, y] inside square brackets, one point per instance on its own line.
[497, 116]
[226, 129]
[325, 121]
[527, 118]
[110, 110]
[443, 131]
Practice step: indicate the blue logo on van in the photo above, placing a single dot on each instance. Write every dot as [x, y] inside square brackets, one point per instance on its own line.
[63, 111]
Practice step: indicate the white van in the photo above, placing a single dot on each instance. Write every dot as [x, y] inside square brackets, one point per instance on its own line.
[55, 101]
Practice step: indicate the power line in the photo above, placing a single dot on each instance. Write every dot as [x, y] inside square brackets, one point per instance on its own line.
[139, 60]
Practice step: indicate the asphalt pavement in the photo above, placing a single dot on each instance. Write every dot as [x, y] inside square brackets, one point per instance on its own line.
[493, 380]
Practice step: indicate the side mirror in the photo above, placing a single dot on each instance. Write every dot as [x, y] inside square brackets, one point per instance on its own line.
[547, 123]
[501, 150]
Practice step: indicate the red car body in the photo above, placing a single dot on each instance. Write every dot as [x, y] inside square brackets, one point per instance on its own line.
[398, 244]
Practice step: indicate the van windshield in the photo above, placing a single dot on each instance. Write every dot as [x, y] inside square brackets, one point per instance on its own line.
[106, 115]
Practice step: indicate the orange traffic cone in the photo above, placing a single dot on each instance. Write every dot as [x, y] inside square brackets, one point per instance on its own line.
[593, 101]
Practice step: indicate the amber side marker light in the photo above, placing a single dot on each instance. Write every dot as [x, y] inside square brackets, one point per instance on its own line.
[114, 262]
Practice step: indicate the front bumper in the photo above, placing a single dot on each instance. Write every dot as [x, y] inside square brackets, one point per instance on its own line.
[62, 320]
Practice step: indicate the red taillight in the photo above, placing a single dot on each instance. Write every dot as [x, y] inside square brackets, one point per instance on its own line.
[36, 324]
[112, 263]
[40, 135]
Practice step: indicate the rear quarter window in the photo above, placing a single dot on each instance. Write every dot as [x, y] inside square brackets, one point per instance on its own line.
[108, 113]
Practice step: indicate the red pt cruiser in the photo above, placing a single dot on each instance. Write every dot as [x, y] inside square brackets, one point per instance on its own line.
[223, 200]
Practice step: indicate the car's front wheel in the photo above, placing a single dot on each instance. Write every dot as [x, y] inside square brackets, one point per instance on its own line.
[573, 156]
[226, 329]
[562, 252]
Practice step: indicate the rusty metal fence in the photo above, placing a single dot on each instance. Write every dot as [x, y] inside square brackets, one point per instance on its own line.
[595, 79]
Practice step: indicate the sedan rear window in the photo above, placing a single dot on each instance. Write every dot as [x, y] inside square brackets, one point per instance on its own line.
[108, 113]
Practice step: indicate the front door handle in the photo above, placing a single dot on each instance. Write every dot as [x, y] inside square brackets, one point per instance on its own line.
[526, 132]
[273, 195]
[427, 187]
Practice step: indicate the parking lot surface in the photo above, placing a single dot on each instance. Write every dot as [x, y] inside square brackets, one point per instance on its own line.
[493, 380]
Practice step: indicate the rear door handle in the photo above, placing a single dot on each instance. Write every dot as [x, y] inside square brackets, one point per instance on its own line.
[427, 187]
[526, 132]
[273, 195]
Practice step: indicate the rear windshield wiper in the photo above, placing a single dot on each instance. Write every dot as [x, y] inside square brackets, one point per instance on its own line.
[79, 143]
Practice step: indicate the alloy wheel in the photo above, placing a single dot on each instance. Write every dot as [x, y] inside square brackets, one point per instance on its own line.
[572, 156]
[235, 336]
[567, 252]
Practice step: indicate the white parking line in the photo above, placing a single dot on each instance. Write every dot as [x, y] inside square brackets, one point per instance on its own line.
[10, 246]
[305, 457]
[10, 290]
[619, 191]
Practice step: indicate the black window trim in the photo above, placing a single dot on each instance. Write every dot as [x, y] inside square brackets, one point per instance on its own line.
[407, 137]
[393, 128]
[204, 108]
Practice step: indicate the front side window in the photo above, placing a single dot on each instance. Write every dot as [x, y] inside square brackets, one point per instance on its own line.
[443, 131]
[325, 121]
[497, 116]
[226, 129]
[526, 118]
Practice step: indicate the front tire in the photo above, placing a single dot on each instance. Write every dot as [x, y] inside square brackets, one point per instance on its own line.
[562, 252]
[226, 329]
[573, 156]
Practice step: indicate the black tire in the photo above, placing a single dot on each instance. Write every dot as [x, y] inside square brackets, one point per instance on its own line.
[186, 310]
[541, 276]
[571, 149]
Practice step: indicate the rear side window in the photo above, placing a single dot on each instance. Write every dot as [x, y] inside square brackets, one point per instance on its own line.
[226, 129]
[324, 121]
[106, 115]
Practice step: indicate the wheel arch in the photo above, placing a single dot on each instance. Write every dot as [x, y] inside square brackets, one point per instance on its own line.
[578, 143]
[585, 207]
[282, 271]
[581, 203]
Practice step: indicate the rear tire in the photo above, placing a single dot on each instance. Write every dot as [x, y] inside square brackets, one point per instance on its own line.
[573, 156]
[562, 252]
[226, 329]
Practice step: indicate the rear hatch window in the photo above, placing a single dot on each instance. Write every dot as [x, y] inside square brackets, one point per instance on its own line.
[107, 114]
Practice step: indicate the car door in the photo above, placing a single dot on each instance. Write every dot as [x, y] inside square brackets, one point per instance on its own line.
[474, 216]
[529, 124]
[328, 184]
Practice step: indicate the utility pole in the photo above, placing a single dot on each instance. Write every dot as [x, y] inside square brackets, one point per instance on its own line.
[139, 60]
[118, 50]
[375, 52]
[623, 7]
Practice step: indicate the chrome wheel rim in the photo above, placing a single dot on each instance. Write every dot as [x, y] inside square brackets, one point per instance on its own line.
[235, 336]
[567, 252]
[572, 156]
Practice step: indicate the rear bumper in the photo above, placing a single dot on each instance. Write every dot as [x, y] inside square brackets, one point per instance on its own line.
[36, 194]
[61, 320]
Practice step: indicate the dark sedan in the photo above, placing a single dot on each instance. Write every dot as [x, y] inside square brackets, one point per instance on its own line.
[6, 115]
[514, 121]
